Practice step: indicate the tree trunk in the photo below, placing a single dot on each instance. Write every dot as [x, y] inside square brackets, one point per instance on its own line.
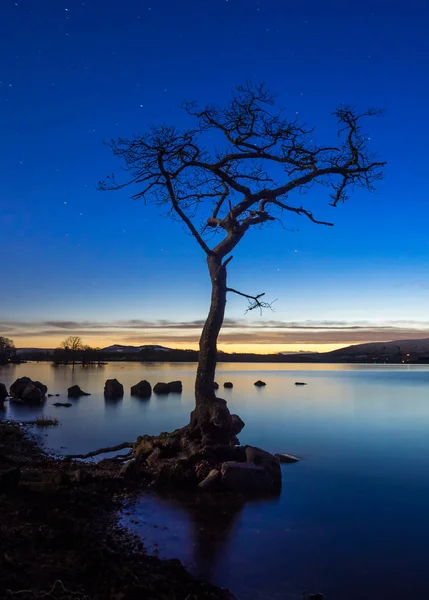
[204, 384]
[211, 420]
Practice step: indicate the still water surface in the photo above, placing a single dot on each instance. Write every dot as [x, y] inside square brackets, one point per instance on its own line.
[353, 517]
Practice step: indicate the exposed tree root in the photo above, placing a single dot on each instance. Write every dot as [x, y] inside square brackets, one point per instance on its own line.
[102, 450]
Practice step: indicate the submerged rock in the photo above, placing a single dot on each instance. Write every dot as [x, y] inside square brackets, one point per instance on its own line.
[260, 383]
[143, 389]
[161, 388]
[175, 387]
[113, 389]
[74, 392]
[228, 384]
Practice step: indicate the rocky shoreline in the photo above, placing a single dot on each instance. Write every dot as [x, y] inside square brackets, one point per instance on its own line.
[60, 538]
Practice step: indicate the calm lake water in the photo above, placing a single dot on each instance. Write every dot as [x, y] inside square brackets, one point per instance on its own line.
[352, 520]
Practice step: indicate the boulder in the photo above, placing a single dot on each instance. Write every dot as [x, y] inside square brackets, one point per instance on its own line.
[75, 392]
[113, 389]
[260, 383]
[212, 481]
[175, 387]
[18, 387]
[267, 461]
[237, 424]
[245, 477]
[143, 389]
[31, 394]
[3, 392]
[161, 388]
[228, 384]
[286, 458]
[43, 388]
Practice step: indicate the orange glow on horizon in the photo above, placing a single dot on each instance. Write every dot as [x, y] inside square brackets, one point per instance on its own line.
[54, 341]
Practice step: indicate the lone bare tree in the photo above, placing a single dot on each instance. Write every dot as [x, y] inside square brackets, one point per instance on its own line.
[72, 343]
[237, 169]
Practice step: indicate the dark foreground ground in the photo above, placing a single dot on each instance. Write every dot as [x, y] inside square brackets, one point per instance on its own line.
[59, 538]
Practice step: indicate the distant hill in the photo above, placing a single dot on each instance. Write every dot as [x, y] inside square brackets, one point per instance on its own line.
[377, 350]
[133, 349]
[396, 352]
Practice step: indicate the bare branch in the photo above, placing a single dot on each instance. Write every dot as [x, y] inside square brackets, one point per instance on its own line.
[264, 159]
[254, 301]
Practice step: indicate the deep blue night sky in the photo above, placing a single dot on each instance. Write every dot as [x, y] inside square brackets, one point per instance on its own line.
[74, 73]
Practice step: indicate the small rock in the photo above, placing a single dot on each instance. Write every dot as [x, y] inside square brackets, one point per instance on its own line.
[86, 394]
[161, 388]
[113, 389]
[175, 387]
[228, 384]
[212, 481]
[260, 383]
[143, 389]
[300, 383]
[66, 404]
[75, 392]
[50, 395]
[216, 385]
[287, 458]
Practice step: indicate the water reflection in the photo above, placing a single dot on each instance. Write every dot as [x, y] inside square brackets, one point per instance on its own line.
[347, 510]
[197, 528]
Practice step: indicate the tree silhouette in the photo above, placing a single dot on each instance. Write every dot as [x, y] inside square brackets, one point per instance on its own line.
[72, 343]
[236, 170]
[7, 348]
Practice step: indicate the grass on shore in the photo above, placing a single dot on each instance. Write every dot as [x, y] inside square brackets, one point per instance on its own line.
[46, 421]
